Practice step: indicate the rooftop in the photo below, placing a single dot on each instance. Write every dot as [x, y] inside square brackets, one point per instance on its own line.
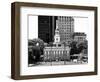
[79, 34]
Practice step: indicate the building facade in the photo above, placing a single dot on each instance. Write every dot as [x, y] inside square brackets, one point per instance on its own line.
[79, 37]
[66, 28]
[57, 53]
[45, 28]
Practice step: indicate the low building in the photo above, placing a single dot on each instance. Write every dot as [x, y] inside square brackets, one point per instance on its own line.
[79, 37]
[56, 53]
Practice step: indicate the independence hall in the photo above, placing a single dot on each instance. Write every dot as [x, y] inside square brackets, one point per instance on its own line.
[62, 35]
[60, 31]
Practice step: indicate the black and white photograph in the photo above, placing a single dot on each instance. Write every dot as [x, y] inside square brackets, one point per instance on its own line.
[57, 40]
[50, 40]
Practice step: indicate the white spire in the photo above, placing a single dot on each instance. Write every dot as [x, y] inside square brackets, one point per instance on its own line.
[57, 36]
[56, 24]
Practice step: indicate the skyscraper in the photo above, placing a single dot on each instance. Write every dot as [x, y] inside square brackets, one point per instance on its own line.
[45, 28]
[66, 28]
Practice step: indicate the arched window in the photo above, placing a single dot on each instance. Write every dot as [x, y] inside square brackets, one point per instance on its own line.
[48, 52]
[62, 51]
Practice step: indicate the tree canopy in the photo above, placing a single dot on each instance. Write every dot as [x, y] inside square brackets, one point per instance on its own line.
[77, 47]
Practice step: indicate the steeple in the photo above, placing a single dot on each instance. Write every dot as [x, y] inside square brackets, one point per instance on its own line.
[56, 36]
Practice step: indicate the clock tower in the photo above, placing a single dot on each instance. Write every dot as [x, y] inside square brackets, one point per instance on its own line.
[57, 35]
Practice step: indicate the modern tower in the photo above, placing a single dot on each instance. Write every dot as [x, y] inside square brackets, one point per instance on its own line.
[45, 28]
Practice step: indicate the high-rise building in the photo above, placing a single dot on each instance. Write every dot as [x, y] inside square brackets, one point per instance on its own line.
[66, 28]
[45, 28]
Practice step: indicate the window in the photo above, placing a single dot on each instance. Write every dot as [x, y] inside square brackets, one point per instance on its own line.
[54, 52]
[45, 52]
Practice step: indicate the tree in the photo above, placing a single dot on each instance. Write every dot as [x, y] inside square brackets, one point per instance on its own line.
[74, 49]
[41, 44]
[82, 46]
[37, 50]
[78, 47]
[31, 43]
[36, 53]
[65, 55]
[30, 55]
